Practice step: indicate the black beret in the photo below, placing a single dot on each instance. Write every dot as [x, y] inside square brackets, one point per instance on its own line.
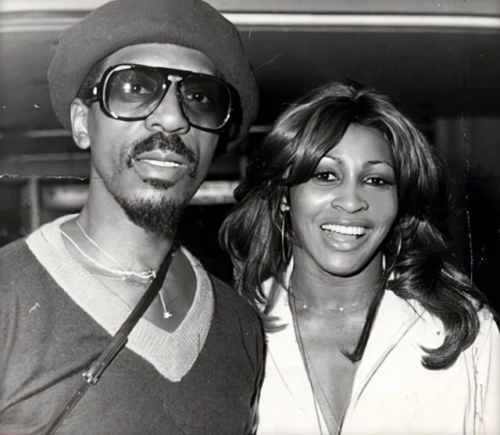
[120, 23]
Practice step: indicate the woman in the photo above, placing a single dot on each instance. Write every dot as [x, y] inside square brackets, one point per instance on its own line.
[339, 240]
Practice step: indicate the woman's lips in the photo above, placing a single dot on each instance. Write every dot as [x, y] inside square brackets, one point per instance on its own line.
[344, 229]
[345, 237]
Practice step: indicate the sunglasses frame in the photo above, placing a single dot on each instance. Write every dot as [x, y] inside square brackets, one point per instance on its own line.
[99, 88]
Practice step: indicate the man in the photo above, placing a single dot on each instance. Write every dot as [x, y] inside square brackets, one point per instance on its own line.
[151, 88]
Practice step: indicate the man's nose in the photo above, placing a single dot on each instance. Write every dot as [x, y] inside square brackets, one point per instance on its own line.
[349, 198]
[168, 117]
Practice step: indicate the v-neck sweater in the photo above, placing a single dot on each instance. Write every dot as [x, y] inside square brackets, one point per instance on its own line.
[48, 340]
[172, 354]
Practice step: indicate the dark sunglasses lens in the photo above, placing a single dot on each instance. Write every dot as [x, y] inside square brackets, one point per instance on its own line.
[133, 93]
[206, 102]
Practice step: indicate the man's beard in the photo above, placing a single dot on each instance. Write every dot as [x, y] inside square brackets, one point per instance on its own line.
[159, 217]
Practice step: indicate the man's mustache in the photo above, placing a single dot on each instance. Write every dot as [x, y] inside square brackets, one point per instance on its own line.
[161, 142]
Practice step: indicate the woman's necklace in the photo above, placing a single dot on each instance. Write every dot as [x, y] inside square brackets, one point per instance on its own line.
[143, 277]
[342, 310]
[362, 303]
[358, 305]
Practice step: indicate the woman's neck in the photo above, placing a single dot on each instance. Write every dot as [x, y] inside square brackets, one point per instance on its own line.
[317, 288]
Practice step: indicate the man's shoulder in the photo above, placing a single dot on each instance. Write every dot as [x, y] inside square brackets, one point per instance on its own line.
[13, 257]
[22, 280]
[227, 293]
[20, 271]
[238, 322]
[226, 298]
[12, 246]
[229, 298]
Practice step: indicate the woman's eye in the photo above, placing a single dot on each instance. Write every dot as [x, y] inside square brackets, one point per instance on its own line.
[377, 181]
[325, 177]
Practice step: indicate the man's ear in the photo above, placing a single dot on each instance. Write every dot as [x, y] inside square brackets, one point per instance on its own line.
[79, 116]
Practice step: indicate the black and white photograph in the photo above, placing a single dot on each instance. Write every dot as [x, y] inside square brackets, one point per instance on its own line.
[265, 217]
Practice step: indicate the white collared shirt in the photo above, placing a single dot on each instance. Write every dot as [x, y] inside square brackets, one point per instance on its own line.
[393, 393]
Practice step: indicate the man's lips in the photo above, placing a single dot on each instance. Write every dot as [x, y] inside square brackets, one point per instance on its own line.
[162, 159]
[161, 165]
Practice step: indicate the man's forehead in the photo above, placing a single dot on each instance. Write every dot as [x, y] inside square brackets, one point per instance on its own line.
[163, 55]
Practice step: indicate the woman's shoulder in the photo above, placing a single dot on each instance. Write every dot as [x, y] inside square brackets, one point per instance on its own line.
[488, 328]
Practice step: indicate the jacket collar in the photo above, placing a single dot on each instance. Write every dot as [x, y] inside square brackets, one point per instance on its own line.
[394, 319]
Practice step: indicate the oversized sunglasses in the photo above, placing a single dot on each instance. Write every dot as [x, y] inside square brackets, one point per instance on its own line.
[132, 92]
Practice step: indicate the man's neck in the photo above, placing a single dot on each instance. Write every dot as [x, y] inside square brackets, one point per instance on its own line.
[114, 233]
[120, 255]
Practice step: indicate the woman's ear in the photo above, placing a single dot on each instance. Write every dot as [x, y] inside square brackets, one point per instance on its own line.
[79, 116]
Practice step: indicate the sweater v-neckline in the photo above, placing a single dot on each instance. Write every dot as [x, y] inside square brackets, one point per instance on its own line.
[172, 354]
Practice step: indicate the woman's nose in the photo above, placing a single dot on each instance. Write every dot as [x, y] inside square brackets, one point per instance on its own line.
[349, 198]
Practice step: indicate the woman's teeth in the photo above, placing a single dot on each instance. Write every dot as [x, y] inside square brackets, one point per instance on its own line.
[342, 229]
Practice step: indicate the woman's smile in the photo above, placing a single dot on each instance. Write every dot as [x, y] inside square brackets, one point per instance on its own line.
[344, 238]
[344, 229]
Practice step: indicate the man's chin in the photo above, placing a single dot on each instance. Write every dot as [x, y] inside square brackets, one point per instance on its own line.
[159, 216]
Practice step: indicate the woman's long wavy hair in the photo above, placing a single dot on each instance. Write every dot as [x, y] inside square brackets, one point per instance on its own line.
[416, 248]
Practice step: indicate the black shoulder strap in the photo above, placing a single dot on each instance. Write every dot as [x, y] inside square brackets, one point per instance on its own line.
[94, 372]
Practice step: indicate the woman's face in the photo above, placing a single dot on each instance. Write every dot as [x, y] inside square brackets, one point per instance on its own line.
[344, 212]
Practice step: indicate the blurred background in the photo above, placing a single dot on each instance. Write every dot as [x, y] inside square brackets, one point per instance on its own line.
[439, 58]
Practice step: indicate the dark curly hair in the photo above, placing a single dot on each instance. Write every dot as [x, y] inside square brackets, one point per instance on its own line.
[416, 248]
